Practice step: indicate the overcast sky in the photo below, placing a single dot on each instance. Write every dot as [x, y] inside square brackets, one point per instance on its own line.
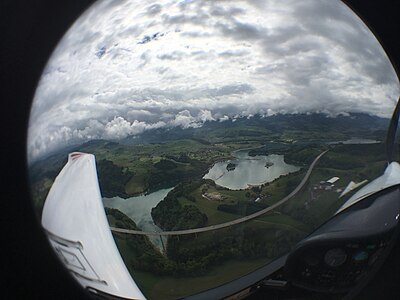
[128, 66]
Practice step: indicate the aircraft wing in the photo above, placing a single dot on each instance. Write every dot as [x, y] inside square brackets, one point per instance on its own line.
[77, 227]
[390, 177]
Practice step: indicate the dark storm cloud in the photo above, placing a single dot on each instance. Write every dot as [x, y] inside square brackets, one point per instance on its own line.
[301, 72]
[377, 68]
[373, 63]
[285, 33]
[229, 90]
[241, 31]
[326, 99]
[340, 26]
[287, 41]
[298, 71]
[224, 12]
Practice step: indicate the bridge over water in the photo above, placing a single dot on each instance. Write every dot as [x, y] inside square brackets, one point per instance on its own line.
[230, 223]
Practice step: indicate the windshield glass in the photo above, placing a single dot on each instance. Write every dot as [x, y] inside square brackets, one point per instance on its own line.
[224, 132]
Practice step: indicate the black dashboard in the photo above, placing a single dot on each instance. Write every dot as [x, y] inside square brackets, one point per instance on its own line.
[349, 247]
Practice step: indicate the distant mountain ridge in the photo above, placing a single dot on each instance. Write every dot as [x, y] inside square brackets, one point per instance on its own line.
[291, 126]
[353, 124]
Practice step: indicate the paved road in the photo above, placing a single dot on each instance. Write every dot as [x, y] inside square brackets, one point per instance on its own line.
[234, 222]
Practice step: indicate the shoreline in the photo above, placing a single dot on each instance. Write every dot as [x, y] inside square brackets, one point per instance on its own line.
[232, 156]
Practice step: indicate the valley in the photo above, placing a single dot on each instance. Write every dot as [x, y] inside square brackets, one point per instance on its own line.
[270, 157]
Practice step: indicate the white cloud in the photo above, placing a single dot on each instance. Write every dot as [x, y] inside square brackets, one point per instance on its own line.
[224, 118]
[205, 60]
[205, 115]
[119, 128]
[185, 120]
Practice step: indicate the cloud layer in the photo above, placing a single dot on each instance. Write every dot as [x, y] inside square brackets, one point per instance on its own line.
[128, 66]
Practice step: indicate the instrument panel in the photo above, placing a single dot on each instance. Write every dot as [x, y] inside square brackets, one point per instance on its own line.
[349, 247]
[339, 266]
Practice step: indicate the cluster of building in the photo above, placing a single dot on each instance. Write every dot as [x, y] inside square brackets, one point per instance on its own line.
[327, 185]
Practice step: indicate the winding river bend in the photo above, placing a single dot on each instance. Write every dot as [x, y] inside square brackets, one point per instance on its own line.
[249, 170]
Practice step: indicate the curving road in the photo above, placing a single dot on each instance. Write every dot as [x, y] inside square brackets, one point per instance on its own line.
[230, 223]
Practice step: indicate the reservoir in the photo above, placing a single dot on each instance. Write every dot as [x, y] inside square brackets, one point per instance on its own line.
[139, 210]
[355, 141]
[249, 170]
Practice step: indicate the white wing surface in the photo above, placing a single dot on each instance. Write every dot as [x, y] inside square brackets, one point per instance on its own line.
[74, 217]
[390, 177]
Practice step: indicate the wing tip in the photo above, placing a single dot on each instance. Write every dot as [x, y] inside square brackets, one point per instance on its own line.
[75, 155]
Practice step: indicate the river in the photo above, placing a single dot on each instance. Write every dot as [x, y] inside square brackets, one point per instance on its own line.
[139, 210]
[249, 170]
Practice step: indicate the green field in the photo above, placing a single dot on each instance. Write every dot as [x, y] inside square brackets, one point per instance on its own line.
[180, 158]
[269, 231]
[172, 288]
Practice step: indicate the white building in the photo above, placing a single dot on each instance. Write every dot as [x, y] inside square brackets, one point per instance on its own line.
[332, 180]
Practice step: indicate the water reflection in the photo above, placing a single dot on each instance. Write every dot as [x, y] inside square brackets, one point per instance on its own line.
[163, 92]
[247, 171]
[356, 141]
[139, 210]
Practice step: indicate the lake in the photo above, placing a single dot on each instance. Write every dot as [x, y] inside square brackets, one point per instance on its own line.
[139, 210]
[355, 141]
[249, 170]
